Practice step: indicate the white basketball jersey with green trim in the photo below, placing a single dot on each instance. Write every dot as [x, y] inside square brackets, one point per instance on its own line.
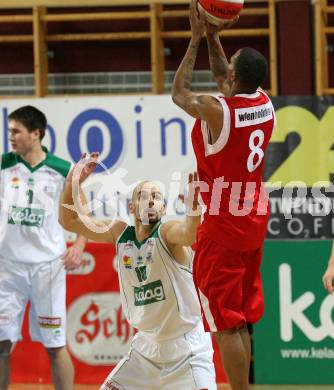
[158, 294]
[29, 208]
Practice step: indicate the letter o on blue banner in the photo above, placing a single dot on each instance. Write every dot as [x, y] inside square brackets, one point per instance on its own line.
[95, 137]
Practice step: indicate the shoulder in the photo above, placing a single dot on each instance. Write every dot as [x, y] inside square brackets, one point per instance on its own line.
[126, 233]
[61, 166]
[165, 226]
[8, 160]
[164, 229]
[177, 252]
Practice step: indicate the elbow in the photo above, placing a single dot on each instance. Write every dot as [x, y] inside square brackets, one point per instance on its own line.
[174, 98]
[178, 101]
[65, 222]
[61, 220]
[69, 226]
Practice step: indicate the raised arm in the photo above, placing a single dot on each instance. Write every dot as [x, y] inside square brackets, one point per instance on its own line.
[74, 215]
[203, 107]
[217, 57]
[183, 233]
[328, 278]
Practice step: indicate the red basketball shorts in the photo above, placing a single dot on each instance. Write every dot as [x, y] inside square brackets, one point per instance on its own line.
[229, 285]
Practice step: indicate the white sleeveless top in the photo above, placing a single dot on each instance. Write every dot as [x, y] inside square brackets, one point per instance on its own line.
[158, 294]
[29, 208]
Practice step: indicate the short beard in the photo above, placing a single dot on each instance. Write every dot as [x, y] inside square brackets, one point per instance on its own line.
[150, 221]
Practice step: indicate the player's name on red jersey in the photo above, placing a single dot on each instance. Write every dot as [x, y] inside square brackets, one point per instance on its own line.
[251, 116]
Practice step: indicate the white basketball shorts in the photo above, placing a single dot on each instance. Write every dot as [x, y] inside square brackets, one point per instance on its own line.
[42, 284]
[184, 363]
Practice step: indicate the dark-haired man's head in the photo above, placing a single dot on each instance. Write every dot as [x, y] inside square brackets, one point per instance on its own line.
[27, 127]
[31, 117]
[249, 68]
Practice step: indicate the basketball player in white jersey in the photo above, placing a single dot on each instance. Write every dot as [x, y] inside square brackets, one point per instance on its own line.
[171, 349]
[33, 253]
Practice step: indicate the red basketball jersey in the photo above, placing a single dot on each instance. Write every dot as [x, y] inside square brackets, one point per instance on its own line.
[231, 169]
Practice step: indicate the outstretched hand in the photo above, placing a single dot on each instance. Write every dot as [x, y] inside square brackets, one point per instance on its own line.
[72, 258]
[84, 167]
[197, 20]
[225, 24]
[191, 200]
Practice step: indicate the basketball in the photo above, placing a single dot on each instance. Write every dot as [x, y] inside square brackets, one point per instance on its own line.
[218, 10]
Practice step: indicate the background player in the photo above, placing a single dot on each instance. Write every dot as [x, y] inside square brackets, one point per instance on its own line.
[171, 349]
[31, 246]
[229, 137]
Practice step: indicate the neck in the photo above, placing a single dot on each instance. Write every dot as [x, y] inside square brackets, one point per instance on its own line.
[236, 89]
[143, 231]
[35, 155]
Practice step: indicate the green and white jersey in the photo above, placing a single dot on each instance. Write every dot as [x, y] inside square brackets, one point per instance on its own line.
[158, 294]
[29, 208]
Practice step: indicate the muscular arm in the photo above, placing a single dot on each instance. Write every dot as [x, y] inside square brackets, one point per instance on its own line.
[182, 233]
[177, 235]
[85, 225]
[218, 61]
[203, 107]
[181, 89]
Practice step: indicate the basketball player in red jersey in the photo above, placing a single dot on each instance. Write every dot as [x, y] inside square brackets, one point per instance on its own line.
[230, 136]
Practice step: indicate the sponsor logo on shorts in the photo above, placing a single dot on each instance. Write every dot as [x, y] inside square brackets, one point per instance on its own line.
[149, 293]
[26, 216]
[49, 322]
[57, 332]
[111, 386]
[5, 319]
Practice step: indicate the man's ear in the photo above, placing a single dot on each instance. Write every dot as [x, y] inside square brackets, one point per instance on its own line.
[37, 134]
[164, 207]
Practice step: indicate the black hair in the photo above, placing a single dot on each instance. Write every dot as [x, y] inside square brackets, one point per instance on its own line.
[251, 68]
[32, 118]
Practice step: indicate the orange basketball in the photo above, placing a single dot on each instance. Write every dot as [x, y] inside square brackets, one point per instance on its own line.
[216, 10]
